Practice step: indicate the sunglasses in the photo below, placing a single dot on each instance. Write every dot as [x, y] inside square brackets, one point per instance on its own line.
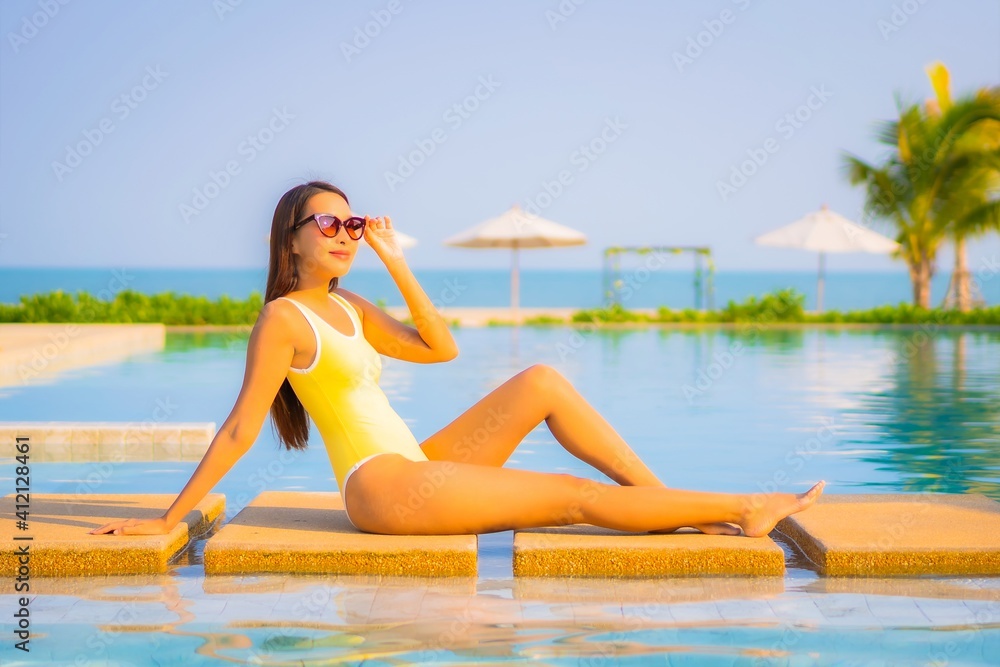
[330, 224]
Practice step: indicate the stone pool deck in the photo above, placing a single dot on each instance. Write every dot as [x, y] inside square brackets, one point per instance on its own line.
[53, 540]
[284, 531]
[308, 532]
[899, 534]
[590, 551]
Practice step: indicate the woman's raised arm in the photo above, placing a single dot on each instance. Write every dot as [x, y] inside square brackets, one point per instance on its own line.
[269, 355]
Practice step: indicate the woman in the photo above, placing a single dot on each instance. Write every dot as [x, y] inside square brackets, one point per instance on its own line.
[315, 349]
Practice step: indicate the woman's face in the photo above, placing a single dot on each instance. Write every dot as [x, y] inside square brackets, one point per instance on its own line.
[318, 253]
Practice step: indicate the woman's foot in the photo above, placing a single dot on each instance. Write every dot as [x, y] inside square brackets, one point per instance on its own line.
[763, 512]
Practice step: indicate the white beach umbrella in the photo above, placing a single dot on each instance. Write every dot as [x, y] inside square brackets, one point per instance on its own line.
[825, 231]
[515, 228]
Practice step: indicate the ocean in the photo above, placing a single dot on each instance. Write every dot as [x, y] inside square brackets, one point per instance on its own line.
[483, 288]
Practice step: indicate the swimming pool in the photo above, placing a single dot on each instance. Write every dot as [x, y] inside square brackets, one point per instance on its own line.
[867, 410]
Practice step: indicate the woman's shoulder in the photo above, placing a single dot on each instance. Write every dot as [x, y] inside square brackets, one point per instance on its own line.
[355, 300]
[278, 311]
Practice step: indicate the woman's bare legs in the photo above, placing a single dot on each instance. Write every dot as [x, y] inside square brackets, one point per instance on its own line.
[489, 431]
[446, 498]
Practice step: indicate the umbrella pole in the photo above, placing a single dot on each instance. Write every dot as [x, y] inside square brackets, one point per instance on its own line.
[514, 286]
[819, 286]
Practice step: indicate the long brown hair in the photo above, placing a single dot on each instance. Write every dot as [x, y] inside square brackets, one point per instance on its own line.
[286, 410]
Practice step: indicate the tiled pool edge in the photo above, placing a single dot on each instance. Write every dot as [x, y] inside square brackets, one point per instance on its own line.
[76, 441]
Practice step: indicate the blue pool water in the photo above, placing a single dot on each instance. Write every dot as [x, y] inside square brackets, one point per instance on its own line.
[672, 285]
[869, 411]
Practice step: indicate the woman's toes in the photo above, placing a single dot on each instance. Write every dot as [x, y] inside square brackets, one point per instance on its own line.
[810, 496]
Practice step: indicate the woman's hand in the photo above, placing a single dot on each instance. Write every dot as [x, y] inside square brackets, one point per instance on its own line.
[381, 236]
[157, 526]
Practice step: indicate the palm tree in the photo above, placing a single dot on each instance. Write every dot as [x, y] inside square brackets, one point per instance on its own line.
[931, 184]
[975, 215]
[979, 212]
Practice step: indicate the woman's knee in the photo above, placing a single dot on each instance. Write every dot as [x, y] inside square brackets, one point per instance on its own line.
[543, 377]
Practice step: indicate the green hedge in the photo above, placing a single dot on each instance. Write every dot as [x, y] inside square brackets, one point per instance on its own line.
[786, 305]
[129, 306]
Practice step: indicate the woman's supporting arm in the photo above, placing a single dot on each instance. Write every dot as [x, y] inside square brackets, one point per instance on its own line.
[269, 355]
[221, 456]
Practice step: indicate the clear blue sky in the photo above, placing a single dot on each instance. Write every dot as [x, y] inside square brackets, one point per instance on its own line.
[279, 71]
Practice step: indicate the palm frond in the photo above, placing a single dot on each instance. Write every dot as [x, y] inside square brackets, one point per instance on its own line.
[979, 220]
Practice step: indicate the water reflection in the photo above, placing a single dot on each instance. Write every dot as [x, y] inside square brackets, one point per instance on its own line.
[187, 341]
[773, 337]
[936, 419]
[178, 618]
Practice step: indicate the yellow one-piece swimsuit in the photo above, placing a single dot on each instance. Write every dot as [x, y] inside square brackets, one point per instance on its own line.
[340, 391]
